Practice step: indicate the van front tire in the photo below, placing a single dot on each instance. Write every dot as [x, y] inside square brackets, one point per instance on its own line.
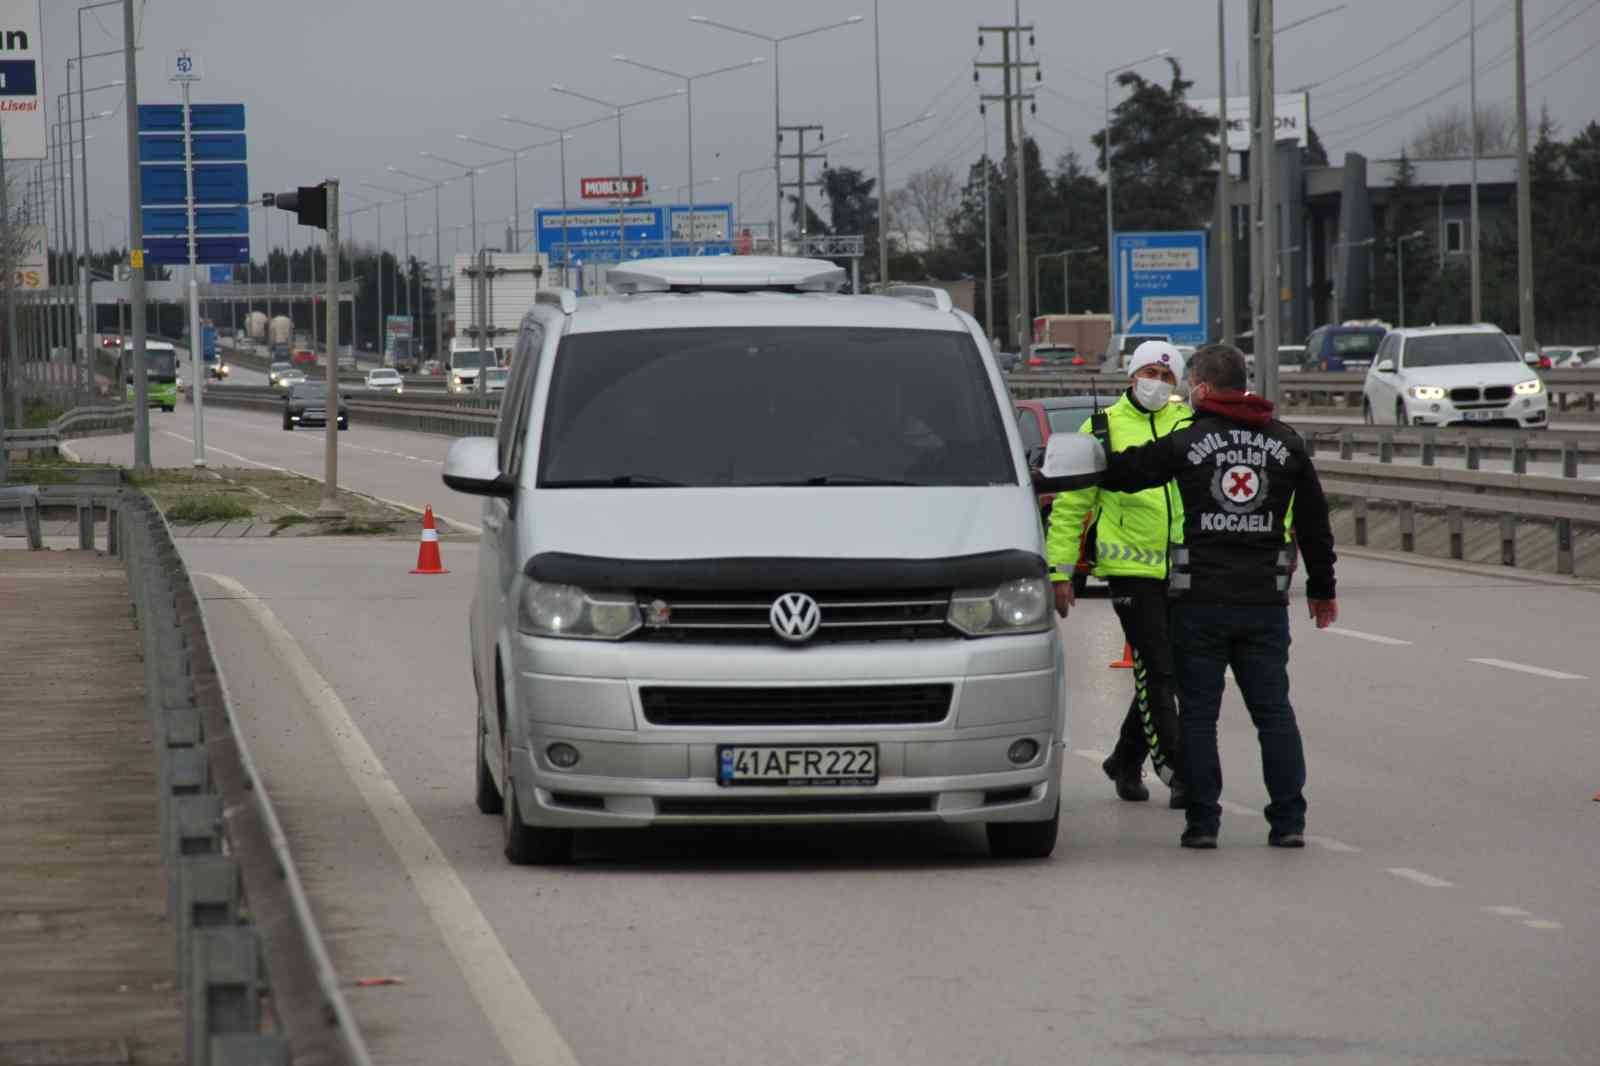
[1024, 840]
[528, 845]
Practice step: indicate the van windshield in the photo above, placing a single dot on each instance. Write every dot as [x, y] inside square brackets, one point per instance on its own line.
[469, 359]
[735, 406]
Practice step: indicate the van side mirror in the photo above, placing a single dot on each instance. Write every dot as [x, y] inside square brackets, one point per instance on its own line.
[1386, 366]
[1071, 461]
[472, 466]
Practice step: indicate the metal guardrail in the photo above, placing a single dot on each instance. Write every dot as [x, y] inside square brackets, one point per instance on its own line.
[1570, 449]
[220, 836]
[78, 422]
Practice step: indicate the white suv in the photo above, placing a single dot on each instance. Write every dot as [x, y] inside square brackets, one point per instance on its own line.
[756, 551]
[1453, 375]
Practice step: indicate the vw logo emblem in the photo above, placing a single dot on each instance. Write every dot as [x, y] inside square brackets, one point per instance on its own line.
[795, 617]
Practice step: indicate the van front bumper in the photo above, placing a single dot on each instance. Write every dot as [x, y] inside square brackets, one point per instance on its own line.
[632, 772]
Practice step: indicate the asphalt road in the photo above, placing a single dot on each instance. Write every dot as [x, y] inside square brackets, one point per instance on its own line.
[1448, 909]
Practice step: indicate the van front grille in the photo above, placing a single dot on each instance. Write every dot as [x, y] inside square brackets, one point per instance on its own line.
[745, 617]
[673, 705]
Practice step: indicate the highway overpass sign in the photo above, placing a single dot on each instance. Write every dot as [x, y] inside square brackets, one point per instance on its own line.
[1161, 284]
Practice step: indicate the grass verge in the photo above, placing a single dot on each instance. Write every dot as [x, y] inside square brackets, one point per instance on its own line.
[214, 507]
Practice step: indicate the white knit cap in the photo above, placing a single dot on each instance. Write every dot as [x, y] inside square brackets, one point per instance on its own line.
[1159, 353]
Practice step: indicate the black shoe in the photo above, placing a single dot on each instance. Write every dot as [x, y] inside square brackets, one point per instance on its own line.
[1130, 785]
[1198, 838]
[1179, 799]
[1286, 838]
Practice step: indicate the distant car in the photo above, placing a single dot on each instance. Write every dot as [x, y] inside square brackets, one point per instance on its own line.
[1350, 346]
[114, 343]
[278, 369]
[1054, 357]
[494, 379]
[218, 370]
[1036, 420]
[1453, 375]
[289, 378]
[432, 368]
[385, 380]
[1291, 358]
[306, 404]
[304, 358]
[1122, 345]
[1591, 357]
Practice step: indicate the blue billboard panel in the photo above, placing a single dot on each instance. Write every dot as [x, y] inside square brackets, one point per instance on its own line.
[590, 235]
[19, 77]
[208, 148]
[204, 118]
[1161, 285]
[214, 183]
[174, 251]
[208, 221]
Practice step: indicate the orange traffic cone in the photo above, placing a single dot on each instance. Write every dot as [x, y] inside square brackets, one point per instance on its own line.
[1126, 662]
[428, 561]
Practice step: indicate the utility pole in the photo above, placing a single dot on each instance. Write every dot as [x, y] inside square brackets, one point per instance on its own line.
[1472, 136]
[1017, 270]
[988, 256]
[800, 158]
[1224, 197]
[1263, 172]
[12, 367]
[329, 505]
[141, 394]
[197, 356]
[1525, 316]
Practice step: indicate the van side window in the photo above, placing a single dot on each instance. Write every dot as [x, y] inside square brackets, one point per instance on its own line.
[513, 402]
[519, 394]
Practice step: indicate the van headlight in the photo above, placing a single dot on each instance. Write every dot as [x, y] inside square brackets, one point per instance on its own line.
[548, 610]
[1528, 388]
[1015, 607]
[1426, 392]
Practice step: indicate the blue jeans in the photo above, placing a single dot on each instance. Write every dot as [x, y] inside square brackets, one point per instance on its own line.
[1254, 640]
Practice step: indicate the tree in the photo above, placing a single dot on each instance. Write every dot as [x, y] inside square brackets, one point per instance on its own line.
[1406, 214]
[1445, 135]
[902, 221]
[933, 196]
[1163, 155]
[1315, 154]
[851, 205]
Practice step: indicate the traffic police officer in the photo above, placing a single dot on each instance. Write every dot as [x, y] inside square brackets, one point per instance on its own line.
[1237, 469]
[1132, 533]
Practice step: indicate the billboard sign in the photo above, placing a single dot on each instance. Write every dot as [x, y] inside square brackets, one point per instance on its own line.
[590, 235]
[630, 188]
[1292, 118]
[22, 115]
[1161, 284]
[220, 176]
[33, 264]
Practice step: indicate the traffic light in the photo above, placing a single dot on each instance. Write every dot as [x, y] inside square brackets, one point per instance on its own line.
[309, 203]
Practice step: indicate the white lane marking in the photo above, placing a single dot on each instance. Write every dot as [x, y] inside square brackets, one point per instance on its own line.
[1542, 923]
[1524, 668]
[525, 1031]
[1418, 877]
[1090, 753]
[1509, 912]
[1330, 844]
[1373, 638]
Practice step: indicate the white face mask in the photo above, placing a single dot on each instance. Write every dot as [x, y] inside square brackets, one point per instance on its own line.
[1151, 394]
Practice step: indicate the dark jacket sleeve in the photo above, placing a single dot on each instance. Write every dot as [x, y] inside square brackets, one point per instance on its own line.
[1313, 533]
[1145, 467]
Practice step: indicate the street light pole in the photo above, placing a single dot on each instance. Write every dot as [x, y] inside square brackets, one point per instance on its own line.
[1224, 197]
[777, 110]
[480, 325]
[562, 133]
[883, 166]
[1525, 306]
[1472, 135]
[1117, 324]
[688, 88]
[438, 255]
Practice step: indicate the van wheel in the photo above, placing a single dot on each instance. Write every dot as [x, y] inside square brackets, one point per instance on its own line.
[1024, 840]
[1366, 412]
[489, 799]
[527, 845]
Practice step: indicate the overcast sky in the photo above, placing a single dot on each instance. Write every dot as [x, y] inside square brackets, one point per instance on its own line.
[343, 87]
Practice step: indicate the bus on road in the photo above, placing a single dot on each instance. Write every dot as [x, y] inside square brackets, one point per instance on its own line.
[160, 375]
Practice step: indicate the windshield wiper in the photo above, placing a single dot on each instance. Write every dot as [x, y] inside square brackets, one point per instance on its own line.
[621, 481]
[846, 479]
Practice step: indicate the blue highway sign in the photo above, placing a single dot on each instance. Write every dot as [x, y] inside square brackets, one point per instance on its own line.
[590, 233]
[221, 183]
[208, 118]
[1161, 285]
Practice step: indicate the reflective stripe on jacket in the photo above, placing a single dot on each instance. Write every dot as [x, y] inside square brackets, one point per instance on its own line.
[1134, 529]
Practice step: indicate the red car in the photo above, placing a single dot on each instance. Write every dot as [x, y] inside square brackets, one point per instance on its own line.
[1036, 420]
[303, 359]
[1055, 355]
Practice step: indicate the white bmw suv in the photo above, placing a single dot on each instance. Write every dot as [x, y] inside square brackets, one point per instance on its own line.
[757, 551]
[1453, 375]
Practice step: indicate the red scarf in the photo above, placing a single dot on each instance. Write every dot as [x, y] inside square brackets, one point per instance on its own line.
[1238, 406]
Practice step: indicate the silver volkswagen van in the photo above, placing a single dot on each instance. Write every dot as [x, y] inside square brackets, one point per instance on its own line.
[755, 550]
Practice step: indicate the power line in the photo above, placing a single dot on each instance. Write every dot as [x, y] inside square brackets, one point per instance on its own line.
[1400, 41]
[1411, 69]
